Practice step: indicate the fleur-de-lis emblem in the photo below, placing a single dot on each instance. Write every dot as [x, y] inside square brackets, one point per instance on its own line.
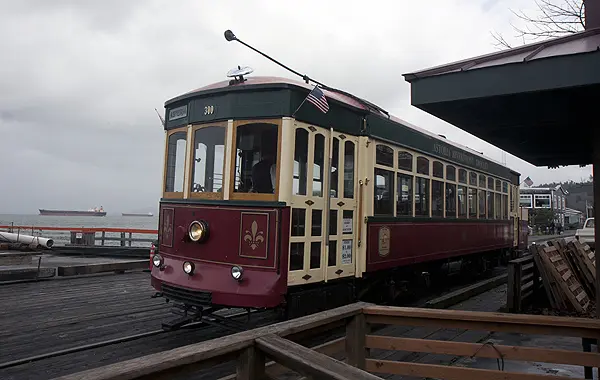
[254, 237]
[168, 226]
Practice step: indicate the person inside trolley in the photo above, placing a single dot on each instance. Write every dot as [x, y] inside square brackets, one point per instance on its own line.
[263, 172]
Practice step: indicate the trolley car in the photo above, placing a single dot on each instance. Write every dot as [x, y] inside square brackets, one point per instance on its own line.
[272, 201]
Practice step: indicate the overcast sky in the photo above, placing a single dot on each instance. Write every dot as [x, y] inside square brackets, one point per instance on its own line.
[79, 80]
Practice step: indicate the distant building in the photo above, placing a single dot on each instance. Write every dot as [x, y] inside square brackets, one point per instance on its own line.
[581, 197]
[573, 218]
[545, 198]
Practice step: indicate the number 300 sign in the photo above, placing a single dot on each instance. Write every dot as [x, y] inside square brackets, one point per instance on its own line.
[209, 110]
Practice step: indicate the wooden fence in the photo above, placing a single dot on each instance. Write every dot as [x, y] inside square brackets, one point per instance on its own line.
[267, 351]
[89, 237]
[523, 283]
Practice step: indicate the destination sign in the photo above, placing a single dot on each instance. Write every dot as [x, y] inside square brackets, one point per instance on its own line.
[178, 113]
[461, 157]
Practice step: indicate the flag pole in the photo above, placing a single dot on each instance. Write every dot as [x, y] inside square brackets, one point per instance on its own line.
[304, 101]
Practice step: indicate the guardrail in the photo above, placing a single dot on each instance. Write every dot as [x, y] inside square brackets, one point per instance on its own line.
[82, 236]
[279, 342]
[523, 283]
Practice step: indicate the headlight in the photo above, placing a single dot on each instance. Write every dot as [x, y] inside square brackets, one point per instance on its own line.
[188, 267]
[237, 272]
[198, 231]
[157, 260]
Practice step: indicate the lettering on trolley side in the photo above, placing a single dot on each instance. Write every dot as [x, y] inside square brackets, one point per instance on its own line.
[384, 241]
[462, 157]
[346, 251]
[178, 113]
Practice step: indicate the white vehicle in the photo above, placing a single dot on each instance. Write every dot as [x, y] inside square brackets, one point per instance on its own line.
[587, 233]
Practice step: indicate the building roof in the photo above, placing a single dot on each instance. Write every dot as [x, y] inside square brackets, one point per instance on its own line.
[572, 211]
[534, 101]
[543, 189]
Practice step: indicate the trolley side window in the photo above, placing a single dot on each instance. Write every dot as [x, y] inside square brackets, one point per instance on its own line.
[482, 198]
[462, 176]
[462, 202]
[490, 204]
[384, 190]
[176, 149]
[438, 169]
[422, 165]
[318, 165]
[405, 161]
[209, 157]
[437, 198]
[473, 203]
[349, 169]
[422, 196]
[404, 192]
[384, 155]
[450, 200]
[300, 162]
[335, 168]
[450, 173]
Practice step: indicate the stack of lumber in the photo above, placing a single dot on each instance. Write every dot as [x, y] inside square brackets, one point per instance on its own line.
[568, 273]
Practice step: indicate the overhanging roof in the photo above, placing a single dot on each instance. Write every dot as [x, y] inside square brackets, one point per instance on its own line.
[538, 101]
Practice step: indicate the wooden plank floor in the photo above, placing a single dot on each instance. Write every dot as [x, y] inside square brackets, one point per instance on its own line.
[53, 315]
[43, 317]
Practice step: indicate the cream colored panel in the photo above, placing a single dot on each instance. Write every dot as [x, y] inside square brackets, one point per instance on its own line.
[286, 175]
[229, 146]
[188, 161]
[366, 152]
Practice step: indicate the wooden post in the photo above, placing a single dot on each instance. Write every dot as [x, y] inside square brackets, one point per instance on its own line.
[510, 289]
[356, 331]
[515, 276]
[250, 364]
[536, 281]
[592, 16]
[596, 184]
[596, 165]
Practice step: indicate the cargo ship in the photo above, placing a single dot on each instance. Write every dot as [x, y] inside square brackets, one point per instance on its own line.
[91, 212]
[136, 214]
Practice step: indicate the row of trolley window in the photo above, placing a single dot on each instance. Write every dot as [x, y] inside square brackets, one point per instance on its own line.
[408, 184]
[405, 183]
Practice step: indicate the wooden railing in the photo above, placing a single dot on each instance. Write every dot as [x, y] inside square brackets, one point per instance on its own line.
[523, 283]
[88, 236]
[249, 350]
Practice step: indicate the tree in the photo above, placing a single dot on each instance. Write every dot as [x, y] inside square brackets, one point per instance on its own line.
[554, 18]
[542, 217]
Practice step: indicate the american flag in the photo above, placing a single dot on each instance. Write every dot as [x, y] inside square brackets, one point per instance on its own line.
[317, 98]
[528, 181]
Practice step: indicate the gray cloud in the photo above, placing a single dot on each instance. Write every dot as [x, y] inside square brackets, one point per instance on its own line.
[79, 80]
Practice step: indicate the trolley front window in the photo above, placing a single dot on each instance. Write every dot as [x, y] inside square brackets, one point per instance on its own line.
[209, 157]
[176, 149]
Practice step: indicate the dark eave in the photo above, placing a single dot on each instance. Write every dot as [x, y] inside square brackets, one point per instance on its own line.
[536, 101]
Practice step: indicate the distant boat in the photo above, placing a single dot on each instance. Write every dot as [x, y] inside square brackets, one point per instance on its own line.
[136, 214]
[91, 212]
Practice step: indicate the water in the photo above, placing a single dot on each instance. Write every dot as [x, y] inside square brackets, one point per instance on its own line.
[63, 237]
